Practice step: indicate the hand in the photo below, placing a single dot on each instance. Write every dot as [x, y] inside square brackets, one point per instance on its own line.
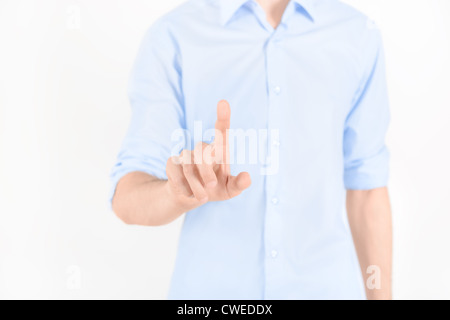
[202, 175]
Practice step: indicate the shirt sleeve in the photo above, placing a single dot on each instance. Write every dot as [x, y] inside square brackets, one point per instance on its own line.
[366, 156]
[156, 100]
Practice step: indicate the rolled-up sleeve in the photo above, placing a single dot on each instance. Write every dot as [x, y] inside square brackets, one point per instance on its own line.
[365, 153]
[156, 99]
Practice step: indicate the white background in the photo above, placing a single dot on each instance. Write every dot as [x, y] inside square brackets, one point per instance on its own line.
[64, 66]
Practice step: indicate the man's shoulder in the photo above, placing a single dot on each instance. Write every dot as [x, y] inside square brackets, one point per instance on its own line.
[340, 10]
[356, 31]
[355, 26]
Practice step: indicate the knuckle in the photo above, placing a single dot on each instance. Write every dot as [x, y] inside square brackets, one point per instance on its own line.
[199, 146]
[198, 157]
[188, 169]
[185, 153]
[173, 161]
[186, 157]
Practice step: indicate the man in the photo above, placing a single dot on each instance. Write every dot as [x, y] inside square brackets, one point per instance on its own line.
[305, 91]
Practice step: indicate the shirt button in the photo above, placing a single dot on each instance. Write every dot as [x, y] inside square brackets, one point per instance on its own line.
[277, 90]
[275, 201]
[274, 254]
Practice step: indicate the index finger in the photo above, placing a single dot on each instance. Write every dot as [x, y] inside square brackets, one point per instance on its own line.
[222, 127]
[223, 117]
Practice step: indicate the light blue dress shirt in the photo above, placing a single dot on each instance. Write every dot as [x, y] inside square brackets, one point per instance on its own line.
[316, 85]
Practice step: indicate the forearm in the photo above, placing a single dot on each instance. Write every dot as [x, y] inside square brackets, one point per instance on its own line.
[142, 199]
[370, 219]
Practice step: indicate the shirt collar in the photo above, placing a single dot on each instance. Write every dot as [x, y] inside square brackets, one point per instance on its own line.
[229, 8]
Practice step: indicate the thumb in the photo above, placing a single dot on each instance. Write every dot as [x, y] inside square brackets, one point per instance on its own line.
[235, 185]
